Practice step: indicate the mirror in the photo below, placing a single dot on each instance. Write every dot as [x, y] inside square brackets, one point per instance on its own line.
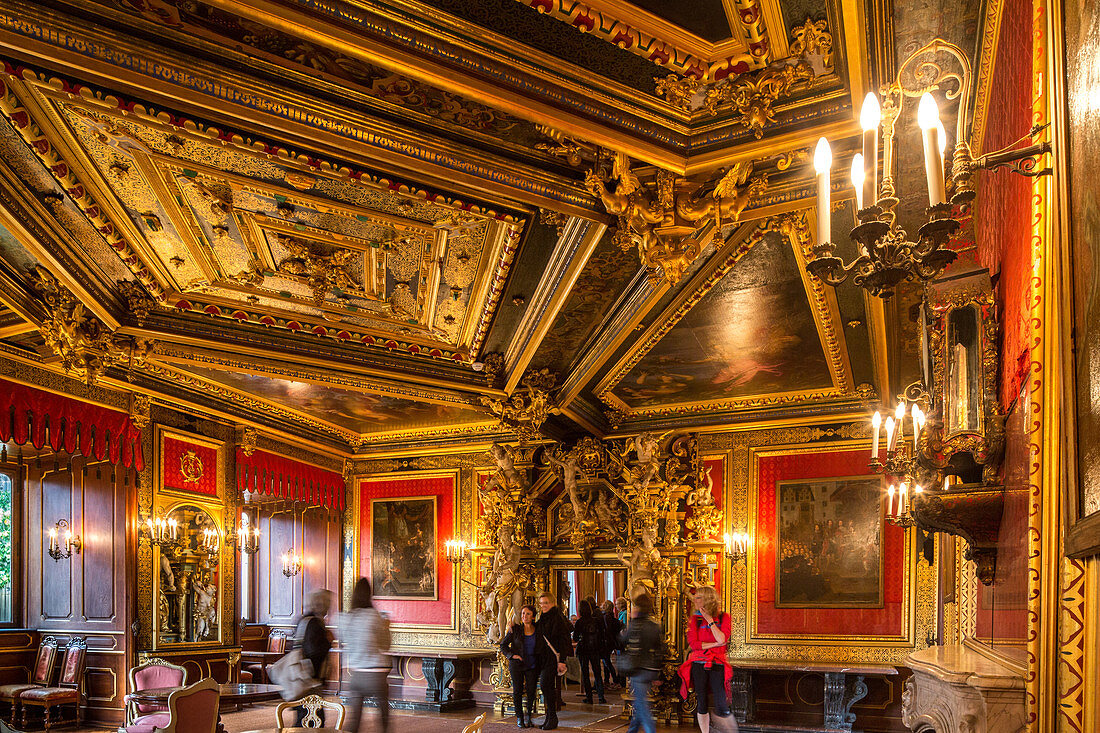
[963, 401]
[574, 585]
[188, 581]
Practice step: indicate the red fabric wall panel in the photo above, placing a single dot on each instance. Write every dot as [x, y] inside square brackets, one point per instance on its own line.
[885, 621]
[1003, 207]
[204, 481]
[438, 612]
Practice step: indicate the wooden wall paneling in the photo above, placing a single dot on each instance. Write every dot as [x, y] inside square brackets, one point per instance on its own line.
[52, 501]
[17, 651]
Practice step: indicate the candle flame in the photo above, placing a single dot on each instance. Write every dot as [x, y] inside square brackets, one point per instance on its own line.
[871, 114]
[823, 156]
[876, 420]
[858, 175]
[928, 112]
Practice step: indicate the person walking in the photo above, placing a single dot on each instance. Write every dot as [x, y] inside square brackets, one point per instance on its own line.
[706, 669]
[643, 649]
[612, 631]
[366, 637]
[588, 633]
[555, 630]
[526, 651]
[315, 641]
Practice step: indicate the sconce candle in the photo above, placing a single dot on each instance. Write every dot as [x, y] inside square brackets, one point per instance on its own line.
[928, 117]
[858, 174]
[890, 501]
[455, 550]
[889, 434]
[823, 161]
[292, 563]
[71, 541]
[869, 118]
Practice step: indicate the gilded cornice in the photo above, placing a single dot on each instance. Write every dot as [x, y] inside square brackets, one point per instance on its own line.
[987, 58]
[661, 42]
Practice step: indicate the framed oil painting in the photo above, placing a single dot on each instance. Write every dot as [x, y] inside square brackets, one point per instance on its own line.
[1077, 143]
[403, 548]
[829, 543]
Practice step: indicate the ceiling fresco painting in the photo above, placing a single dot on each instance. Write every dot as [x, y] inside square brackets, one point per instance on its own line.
[358, 412]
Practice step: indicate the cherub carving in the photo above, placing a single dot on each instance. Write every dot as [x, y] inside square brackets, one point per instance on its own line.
[642, 563]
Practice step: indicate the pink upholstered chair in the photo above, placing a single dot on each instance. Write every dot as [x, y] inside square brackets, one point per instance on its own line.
[193, 709]
[41, 675]
[154, 672]
[69, 690]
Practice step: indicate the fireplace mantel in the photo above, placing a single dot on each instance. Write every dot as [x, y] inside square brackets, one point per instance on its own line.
[955, 689]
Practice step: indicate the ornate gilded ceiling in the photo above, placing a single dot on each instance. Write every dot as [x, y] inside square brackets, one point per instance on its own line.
[370, 224]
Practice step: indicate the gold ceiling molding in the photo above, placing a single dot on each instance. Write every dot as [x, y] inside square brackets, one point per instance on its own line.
[666, 44]
[22, 119]
[85, 346]
[668, 219]
[796, 230]
[512, 238]
[987, 58]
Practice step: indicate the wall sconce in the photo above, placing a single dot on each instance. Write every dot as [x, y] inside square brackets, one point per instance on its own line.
[160, 531]
[737, 546]
[60, 534]
[455, 551]
[292, 563]
[210, 543]
[246, 538]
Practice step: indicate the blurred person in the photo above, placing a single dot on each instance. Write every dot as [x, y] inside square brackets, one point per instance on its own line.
[643, 649]
[366, 638]
[315, 641]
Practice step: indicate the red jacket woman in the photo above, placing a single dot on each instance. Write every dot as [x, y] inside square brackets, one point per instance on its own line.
[706, 669]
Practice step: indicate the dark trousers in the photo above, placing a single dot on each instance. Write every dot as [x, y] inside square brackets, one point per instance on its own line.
[523, 679]
[711, 680]
[610, 674]
[548, 683]
[590, 662]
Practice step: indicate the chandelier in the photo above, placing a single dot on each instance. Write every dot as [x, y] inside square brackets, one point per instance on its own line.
[887, 255]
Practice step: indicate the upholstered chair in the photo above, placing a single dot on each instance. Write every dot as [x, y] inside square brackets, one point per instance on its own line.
[193, 709]
[69, 690]
[276, 642]
[152, 673]
[313, 704]
[41, 676]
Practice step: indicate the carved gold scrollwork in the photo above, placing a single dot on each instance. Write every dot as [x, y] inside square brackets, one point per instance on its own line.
[84, 344]
[667, 219]
[322, 272]
[525, 410]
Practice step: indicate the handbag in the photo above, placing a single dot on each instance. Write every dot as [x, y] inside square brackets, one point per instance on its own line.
[556, 655]
[293, 672]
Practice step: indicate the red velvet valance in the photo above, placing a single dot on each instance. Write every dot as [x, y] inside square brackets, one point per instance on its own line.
[267, 473]
[67, 423]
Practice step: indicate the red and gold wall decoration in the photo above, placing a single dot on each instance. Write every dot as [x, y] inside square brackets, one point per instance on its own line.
[188, 463]
[388, 503]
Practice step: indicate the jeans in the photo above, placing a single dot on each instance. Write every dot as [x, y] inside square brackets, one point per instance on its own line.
[367, 684]
[714, 680]
[590, 662]
[643, 715]
[523, 679]
[610, 674]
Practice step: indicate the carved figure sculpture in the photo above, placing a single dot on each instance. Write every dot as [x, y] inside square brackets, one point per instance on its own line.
[642, 564]
[206, 608]
[569, 474]
[501, 592]
[169, 578]
[646, 446]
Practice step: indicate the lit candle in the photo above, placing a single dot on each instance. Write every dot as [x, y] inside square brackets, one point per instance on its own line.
[53, 538]
[890, 501]
[928, 117]
[823, 161]
[869, 118]
[903, 498]
[899, 424]
[918, 425]
[876, 421]
[858, 174]
[889, 434]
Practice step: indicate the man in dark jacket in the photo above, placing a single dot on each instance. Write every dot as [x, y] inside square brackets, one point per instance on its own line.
[643, 649]
[557, 631]
[612, 679]
[315, 640]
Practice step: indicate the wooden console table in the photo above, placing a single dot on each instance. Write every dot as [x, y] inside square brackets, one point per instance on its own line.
[844, 687]
[441, 667]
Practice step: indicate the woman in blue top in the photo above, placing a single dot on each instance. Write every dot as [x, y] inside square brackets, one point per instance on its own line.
[526, 651]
